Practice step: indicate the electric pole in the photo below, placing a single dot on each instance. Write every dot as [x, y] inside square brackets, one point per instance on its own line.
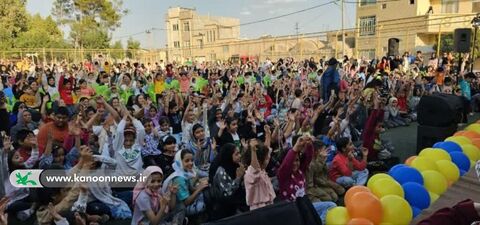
[343, 27]
[296, 30]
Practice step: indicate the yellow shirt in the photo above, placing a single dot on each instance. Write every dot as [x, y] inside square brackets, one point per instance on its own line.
[28, 99]
[159, 86]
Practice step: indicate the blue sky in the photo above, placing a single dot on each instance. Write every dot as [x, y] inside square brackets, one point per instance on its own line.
[145, 14]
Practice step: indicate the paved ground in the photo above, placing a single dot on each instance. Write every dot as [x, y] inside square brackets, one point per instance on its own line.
[405, 138]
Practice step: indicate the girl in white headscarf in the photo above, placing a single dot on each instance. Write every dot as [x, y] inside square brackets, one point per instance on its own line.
[190, 193]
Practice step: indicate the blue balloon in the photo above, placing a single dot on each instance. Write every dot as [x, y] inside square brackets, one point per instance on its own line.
[407, 174]
[449, 146]
[416, 195]
[461, 160]
[416, 211]
[395, 168]
[437, 145]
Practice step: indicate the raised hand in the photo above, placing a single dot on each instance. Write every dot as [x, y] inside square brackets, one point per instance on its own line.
[7, 142]
[3, 215]
[268, 131]
[240, 171]
[173, 189]
[53, 212]
[46, 98]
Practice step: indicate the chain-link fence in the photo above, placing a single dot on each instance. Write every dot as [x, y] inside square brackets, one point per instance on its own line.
[79, 55]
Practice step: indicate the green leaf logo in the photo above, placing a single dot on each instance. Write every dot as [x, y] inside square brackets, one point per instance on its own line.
[23, 180]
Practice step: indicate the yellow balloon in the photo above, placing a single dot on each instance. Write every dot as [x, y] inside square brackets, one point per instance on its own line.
[471, 151]
[435, 154]
[337, 215]
[434, 181]
[433, 197]
[459, 140]
[422, 163]
[396, 210]
[449, 170]
[474, 127]
[385, 186]
[376, 177]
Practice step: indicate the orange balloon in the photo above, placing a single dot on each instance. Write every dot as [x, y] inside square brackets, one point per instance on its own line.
[410, 159]
[366, 205]
[353, 190]
[468, 133]
[359, 221]
[476, 142]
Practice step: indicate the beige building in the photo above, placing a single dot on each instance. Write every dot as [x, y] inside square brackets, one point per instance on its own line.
[187, 32]
[193, 37]
[416, 23]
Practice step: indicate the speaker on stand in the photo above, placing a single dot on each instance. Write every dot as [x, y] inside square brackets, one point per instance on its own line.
[462, 41]
[437, 117]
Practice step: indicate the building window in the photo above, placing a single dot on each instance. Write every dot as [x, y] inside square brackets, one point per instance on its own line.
[367, 2]
[175, 27]
[226, 48]
[475, 6]
[367, 25]
[450, 6]
[384, 5]
[176, 44]
[214, 35]
[186, 43]
[186, 26]
[200, 43]
[412, 2]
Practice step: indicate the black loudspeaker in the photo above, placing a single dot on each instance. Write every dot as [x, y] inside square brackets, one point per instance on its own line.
[300, 212]
[427, 136]
[440, 110]
[462, 40]
[393, 45]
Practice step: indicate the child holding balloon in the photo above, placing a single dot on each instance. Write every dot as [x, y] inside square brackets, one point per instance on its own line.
[346, 170]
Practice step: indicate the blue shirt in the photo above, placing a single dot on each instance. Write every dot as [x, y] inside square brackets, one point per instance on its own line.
[465, 86]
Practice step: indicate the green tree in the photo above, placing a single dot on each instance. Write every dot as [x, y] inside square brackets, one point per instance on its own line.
[132, 46]
[117, 50]
[13, 21]
[41, 33]
[446, 43]
[90, 21]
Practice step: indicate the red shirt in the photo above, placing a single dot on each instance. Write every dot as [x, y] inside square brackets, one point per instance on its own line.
[59, 135]
[402, 104]
[340, 167]
[369, 134]
[66, 92]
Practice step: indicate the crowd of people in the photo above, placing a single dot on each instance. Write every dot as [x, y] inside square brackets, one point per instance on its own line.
[213, 139]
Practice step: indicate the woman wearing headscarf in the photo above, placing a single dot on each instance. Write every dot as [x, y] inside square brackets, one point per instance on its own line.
[226, 176]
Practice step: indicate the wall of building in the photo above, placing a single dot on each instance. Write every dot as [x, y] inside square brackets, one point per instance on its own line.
[410, 23]
[220, 38]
